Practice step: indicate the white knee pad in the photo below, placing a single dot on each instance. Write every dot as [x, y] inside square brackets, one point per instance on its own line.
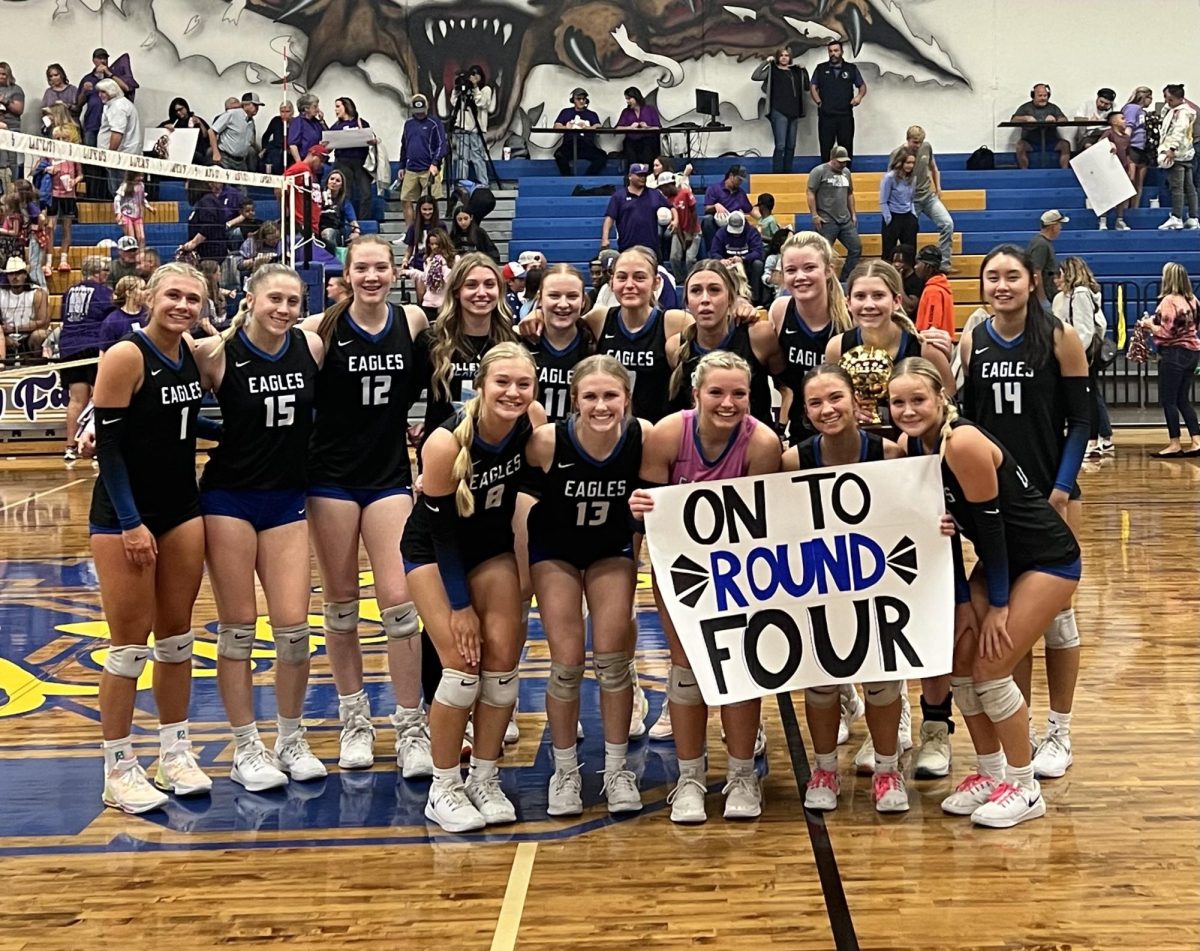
[613, 672]
[499, 688]
[127, 661]
[457, 689]
[400, 622]
[564, 681]
[882, 694]
[175, 649]
[1000, 699]
[235, 641]
[965, 696]
[1063, 632]
[291, 643]
[341, 617]
[682, 687]
[822, 697]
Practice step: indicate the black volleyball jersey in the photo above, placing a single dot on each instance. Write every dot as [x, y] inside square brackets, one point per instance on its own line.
[464, 367]
[1034, 534]
[909, 346]
[585, 502]
[555, 371]
[736, 341]
[159, 439]
[364, 392]
[644, 355]
[1017, 402]
[267, 416]
[870, 450]
[802, 350]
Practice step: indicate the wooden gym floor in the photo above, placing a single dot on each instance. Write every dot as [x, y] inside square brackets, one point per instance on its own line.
[350, 862]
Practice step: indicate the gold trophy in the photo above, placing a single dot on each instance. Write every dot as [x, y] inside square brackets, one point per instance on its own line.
[870, 368]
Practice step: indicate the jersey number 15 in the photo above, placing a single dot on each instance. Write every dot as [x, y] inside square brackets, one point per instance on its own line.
[281, 410]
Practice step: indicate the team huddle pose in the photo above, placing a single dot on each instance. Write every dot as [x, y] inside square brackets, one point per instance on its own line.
[539, 450]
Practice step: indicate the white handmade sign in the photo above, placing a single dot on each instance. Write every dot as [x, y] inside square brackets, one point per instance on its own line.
[1105, 181]
[804, 579]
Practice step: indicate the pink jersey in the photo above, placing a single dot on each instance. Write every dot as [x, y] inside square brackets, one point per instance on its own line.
[690, 464]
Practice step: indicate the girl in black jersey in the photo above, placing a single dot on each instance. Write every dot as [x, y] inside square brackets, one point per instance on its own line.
[581, 544]
[1027, 572]
[458, 552]
[711, 294]
[263, 370]
[1026, 383]
[360, 486]
[147, 537]
[565, 339]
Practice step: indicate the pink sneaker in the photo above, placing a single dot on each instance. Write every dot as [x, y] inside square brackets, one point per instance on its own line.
[970, 794]
[822, 791]
[1010, 805]
[890, 793]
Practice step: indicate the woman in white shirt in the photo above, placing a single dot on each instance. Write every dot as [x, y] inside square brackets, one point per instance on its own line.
[1078, 305]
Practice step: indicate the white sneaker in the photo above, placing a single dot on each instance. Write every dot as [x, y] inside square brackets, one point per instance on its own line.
[904, 731]
[1122, 226]
[512, 732]
[760, 740]
[487, 796]
[889, 792]
[1192, 224]
[1009, 806]
[178, 772]
[687, 801]
[69, 457]
[1103, 225]
[852, 709]
[1054, 756]
[357, 740]
[1171, 224]
[661, 730]
[297, 759]
[565, 796]
[130, 791]
[821, 793]
[933, 757]
[864, 759]
[255, 768]
[970, 794]
[1034, 742]
[641, 707]
[449, 806]
[621, 791]
[743, 796]
[413, 753]
[1108, 447]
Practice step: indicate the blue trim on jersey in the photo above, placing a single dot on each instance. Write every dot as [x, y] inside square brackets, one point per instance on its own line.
[800, 323]
[1006, 344]
[549, 348]
[700, 448]
[586, 455]
[495, 447]
[647, 327]
[721, 346]
[372, 338]
[173, 364]
[862, 449]
[262, 354]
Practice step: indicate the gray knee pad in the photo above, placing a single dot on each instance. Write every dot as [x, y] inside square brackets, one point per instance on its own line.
[400, 622]
[341, 617]
[823, 697]
[127, 661]
[235, 641]
[564, 681]
[613, 672]
[175, 649]
[457, 689]
[1000, 699]
[499, 688]
[291, 643]
[1063, 632]
[682, 687]
[965, 696]
[882, 694]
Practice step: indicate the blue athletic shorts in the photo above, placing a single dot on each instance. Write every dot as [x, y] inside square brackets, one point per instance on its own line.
[1071, 572]
[361, 497]
[262, 508]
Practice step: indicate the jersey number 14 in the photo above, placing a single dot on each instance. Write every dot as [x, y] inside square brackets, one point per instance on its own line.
[1007, 391]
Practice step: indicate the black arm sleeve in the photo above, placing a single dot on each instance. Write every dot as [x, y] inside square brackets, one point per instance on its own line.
[444, 522]
[992, 549]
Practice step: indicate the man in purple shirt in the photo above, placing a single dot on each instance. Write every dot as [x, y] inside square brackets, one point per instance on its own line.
[723, 198]
[736, 244]
[120, 72]
[634, 210]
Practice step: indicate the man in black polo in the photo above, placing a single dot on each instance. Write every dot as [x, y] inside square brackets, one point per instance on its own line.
[837, 87]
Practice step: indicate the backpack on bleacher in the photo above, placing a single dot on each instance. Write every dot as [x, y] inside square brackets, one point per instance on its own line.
[981, 160]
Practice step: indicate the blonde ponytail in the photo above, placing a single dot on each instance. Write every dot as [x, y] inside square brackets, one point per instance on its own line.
[951, 412]
[464, 433]
[238, 322]
[261, 273]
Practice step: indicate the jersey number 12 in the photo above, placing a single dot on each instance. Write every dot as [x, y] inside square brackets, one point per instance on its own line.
[375, 390]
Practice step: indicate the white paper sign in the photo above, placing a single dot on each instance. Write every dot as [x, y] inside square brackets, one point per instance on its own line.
[181, 143]
[804, 579]
[348, 138]
[1105, 181]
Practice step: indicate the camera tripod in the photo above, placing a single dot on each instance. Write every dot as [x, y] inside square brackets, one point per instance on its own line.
[461, 105]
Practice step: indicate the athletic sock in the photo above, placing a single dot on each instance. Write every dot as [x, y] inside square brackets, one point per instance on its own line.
[992, 764]
[353, 699]
[740, 767]
[886, 764]
[453, 775]
[288, 726]
[170, 734]
[1059, 723]
[246, 736]
[827, 761]
[482, 769]
[118, 754]
[1021, 776]
[566, 760]
[693, 768]
[614, 756]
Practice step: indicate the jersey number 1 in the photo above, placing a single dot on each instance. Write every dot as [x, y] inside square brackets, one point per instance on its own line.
[1007, 392]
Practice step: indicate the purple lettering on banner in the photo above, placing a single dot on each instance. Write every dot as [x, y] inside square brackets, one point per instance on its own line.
[32, 394]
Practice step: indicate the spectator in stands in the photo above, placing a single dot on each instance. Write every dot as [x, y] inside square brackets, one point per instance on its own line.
[772, 272]
[904, 260]
[126, 262]
[1135, 115]
[1078, 305]
[896, 203]
[785, 84]
[837, 89]
[337, 289]
[307, 129]
[684, 233]
[120, 127]
[58, 89]
[722, 199]
[422, 148]
[234, 137]
[664, 163]
[306, 177]
[60, 116]
[64, 177]
[431, 279]
[1041, 112]
[639, 148]
[414, 239]
[531, 259]
[245, 222]
[1094, 110]
[514, 280]
[274, 140]
[529, 297]
[831, 204]
[764, 211]
[84, 307]
[927, 191]
[89, 91]
[634, 210]
[468, 235]
[260, 248]
[180, 116]
[470, 131]
[1176, 153]
[578, 144]
[741, 249]
[206, 226]
[12, 106]
[339, 224]
[936, 308]
[1041, 253]
[24, 311]
[352, 163]
[129, 311]
[1117, 136]
[1174, 328]
[148, 261]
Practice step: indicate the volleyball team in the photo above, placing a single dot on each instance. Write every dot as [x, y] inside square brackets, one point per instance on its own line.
[539, 446]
